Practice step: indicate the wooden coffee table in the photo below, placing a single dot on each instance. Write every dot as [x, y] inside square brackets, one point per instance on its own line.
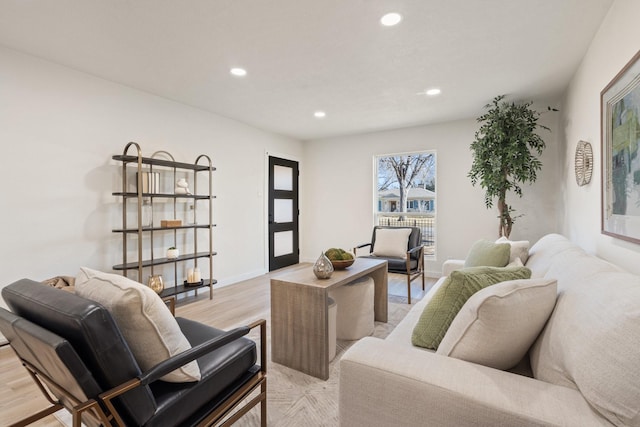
[299, 320]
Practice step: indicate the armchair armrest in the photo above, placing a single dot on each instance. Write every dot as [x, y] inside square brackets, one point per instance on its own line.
[413, 254]
[457, 393]
[187, 356]
[364, 245]
[414, 250]
[416, 253]
[164, 367]
[262, 323]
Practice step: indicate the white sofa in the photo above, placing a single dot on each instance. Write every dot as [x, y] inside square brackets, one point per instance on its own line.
[585, 363]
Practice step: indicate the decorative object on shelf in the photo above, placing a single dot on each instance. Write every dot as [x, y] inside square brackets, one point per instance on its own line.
[173, 253]
[147, 213]
[620, 124]
[506, 128]
[150, 182]
[182, 187]
[156, 283]
[340, 259]
[323, 267]
[583, 163]
[192, 214]
[168, 223]
[194, 284]
[193, 275]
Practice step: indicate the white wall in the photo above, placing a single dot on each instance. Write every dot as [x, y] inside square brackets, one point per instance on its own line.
[59, 129]
[613, 46]
[338, 190]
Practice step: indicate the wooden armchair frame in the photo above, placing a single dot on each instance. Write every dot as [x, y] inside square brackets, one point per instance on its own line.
[101, 411]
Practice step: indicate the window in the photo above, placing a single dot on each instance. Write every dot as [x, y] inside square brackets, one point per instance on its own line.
[406, 193]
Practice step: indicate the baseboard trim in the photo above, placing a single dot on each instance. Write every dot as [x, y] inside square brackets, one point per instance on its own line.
[235, 279]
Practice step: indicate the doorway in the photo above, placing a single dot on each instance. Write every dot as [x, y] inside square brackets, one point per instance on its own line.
[284, 249]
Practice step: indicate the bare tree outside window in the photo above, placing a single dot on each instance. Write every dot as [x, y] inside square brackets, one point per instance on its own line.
[406, 192]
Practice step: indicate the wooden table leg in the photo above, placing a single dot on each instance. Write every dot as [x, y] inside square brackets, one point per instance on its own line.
[380, 298]
[299, 327]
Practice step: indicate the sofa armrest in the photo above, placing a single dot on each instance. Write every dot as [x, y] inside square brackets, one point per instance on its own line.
[451, 265]
[383, 384]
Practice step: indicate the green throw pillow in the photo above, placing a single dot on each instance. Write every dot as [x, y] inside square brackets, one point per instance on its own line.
[490, 254]
[451, 296]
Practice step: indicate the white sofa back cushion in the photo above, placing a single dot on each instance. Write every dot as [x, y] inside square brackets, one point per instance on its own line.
[543, 252]
[591, 340]
[498, 324]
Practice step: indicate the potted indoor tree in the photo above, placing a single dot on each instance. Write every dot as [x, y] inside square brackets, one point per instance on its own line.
[505, 154]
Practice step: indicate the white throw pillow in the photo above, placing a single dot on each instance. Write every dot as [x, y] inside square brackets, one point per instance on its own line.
[519, 249]
[152, 333]
[498, 324]
[515, 263]
[391, 242]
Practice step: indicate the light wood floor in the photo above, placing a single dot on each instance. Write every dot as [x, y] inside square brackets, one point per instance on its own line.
[231, 306]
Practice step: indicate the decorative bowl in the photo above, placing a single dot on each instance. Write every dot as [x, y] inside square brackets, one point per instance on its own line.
[341, 264]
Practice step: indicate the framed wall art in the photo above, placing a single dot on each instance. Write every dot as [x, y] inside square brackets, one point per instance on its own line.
[620, 128]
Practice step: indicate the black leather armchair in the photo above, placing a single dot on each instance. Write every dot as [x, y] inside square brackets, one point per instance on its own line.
[74, 347]
[412, 265]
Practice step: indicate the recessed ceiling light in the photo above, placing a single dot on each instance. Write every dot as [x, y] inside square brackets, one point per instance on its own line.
[238, 72]
[391, 19]
[433, 92]
[319, 114]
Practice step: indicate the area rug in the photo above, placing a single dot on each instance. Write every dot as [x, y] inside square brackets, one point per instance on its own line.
[295, 399]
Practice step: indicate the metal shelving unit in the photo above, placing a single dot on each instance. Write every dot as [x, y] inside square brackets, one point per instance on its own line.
[144, 235]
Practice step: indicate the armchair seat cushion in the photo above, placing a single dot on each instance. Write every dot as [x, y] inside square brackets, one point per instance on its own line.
[396, 265]
[219, 370]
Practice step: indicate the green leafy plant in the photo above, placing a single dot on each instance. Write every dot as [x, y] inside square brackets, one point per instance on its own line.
[337, 254]
[505, 153]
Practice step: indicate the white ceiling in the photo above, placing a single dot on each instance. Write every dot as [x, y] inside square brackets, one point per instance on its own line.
[308, 55]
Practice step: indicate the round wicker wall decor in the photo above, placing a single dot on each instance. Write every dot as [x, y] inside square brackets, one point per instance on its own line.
[584, 163]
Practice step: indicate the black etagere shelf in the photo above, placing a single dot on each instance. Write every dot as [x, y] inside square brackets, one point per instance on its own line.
[143, 234]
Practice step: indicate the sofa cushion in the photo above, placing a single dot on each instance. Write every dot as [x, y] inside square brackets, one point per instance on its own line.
[591, 340]
[544, 251]
[143, 318]
[515, 263]
[452, 295]
[486, 253]
[498, 324]
[391, 242]
[518, 249]
[573, 266]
